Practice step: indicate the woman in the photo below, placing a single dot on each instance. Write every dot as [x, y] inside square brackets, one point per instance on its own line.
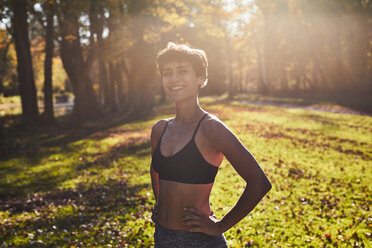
[186, 153]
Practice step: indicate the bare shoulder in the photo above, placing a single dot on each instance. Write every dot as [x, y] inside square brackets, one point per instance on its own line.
[213, 126]
[158, 128]
[159, 125]
[219, 136]
[156, 131]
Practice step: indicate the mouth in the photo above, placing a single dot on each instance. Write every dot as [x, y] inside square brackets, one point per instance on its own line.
[175, 88]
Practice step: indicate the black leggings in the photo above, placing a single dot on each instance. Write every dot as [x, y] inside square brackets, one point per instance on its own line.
[166, 238]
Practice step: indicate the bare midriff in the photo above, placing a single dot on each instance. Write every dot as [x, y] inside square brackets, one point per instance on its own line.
[174, 196]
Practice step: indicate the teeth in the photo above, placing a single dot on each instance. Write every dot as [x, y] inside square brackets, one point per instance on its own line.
[176, 87]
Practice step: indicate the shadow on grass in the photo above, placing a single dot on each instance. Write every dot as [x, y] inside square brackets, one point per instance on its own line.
[58, 217]
[141, 149]
[43, 181]
[99, 214]
[26, 140]
[24, 147]
[321, 119]
[105, 196]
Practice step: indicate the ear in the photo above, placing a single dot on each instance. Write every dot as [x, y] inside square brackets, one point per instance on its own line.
[201, 80]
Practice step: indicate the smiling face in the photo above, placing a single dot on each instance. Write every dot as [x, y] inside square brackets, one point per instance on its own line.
[180, 81]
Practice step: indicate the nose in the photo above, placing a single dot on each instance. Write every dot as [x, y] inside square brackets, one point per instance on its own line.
[174, 77]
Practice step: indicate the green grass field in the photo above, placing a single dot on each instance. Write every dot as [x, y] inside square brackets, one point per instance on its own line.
[89, 186]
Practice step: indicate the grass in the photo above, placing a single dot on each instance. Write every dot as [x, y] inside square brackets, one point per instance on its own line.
[89, 186]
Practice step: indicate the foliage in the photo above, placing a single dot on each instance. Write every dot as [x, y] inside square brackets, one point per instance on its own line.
[272, 47]
[307, 45]
[90, 186]
[8, 77]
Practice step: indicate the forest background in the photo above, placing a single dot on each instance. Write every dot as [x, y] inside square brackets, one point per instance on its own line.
[103, 52]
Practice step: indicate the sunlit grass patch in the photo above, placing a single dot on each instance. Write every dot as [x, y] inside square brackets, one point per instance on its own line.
[95, 189]
[318, 162]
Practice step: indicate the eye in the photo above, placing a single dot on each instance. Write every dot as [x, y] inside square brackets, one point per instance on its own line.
[183, 71]
[166, 74]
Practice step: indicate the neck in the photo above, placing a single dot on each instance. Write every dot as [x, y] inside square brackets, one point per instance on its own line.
[188, 111]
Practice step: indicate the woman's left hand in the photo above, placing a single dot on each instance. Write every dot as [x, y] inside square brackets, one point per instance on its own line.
[196, 221]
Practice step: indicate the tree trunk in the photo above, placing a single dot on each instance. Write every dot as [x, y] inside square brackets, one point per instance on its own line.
[113, 83]
[48, 63]
[283, 82]
[143, 71]
[298, 72]
[85, 105]
[122, 96]
[360, 47]
[3, 61]
[96, 17]
[262, 88]
[24, 66]
[103, 82]
[230, 75]
[77, 68]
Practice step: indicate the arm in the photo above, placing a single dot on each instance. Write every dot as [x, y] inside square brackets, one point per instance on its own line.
[257, 184]
[155, 190]
[155, 135]
[155, 183]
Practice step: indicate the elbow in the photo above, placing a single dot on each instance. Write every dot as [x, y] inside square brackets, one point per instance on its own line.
[266, 186]
[269, 187]
[261, 187]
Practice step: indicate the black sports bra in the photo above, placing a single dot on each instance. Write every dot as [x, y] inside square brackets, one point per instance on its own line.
[186, 166]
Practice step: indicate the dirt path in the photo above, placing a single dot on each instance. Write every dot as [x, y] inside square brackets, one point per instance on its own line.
[315, 107]
[59, 108]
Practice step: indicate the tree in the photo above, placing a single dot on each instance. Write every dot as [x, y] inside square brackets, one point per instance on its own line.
[24, 66]
[76, 61]
[48, 63]
[4, 60]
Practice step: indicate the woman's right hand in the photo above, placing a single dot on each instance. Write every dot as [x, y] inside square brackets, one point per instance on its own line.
[154, 216]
